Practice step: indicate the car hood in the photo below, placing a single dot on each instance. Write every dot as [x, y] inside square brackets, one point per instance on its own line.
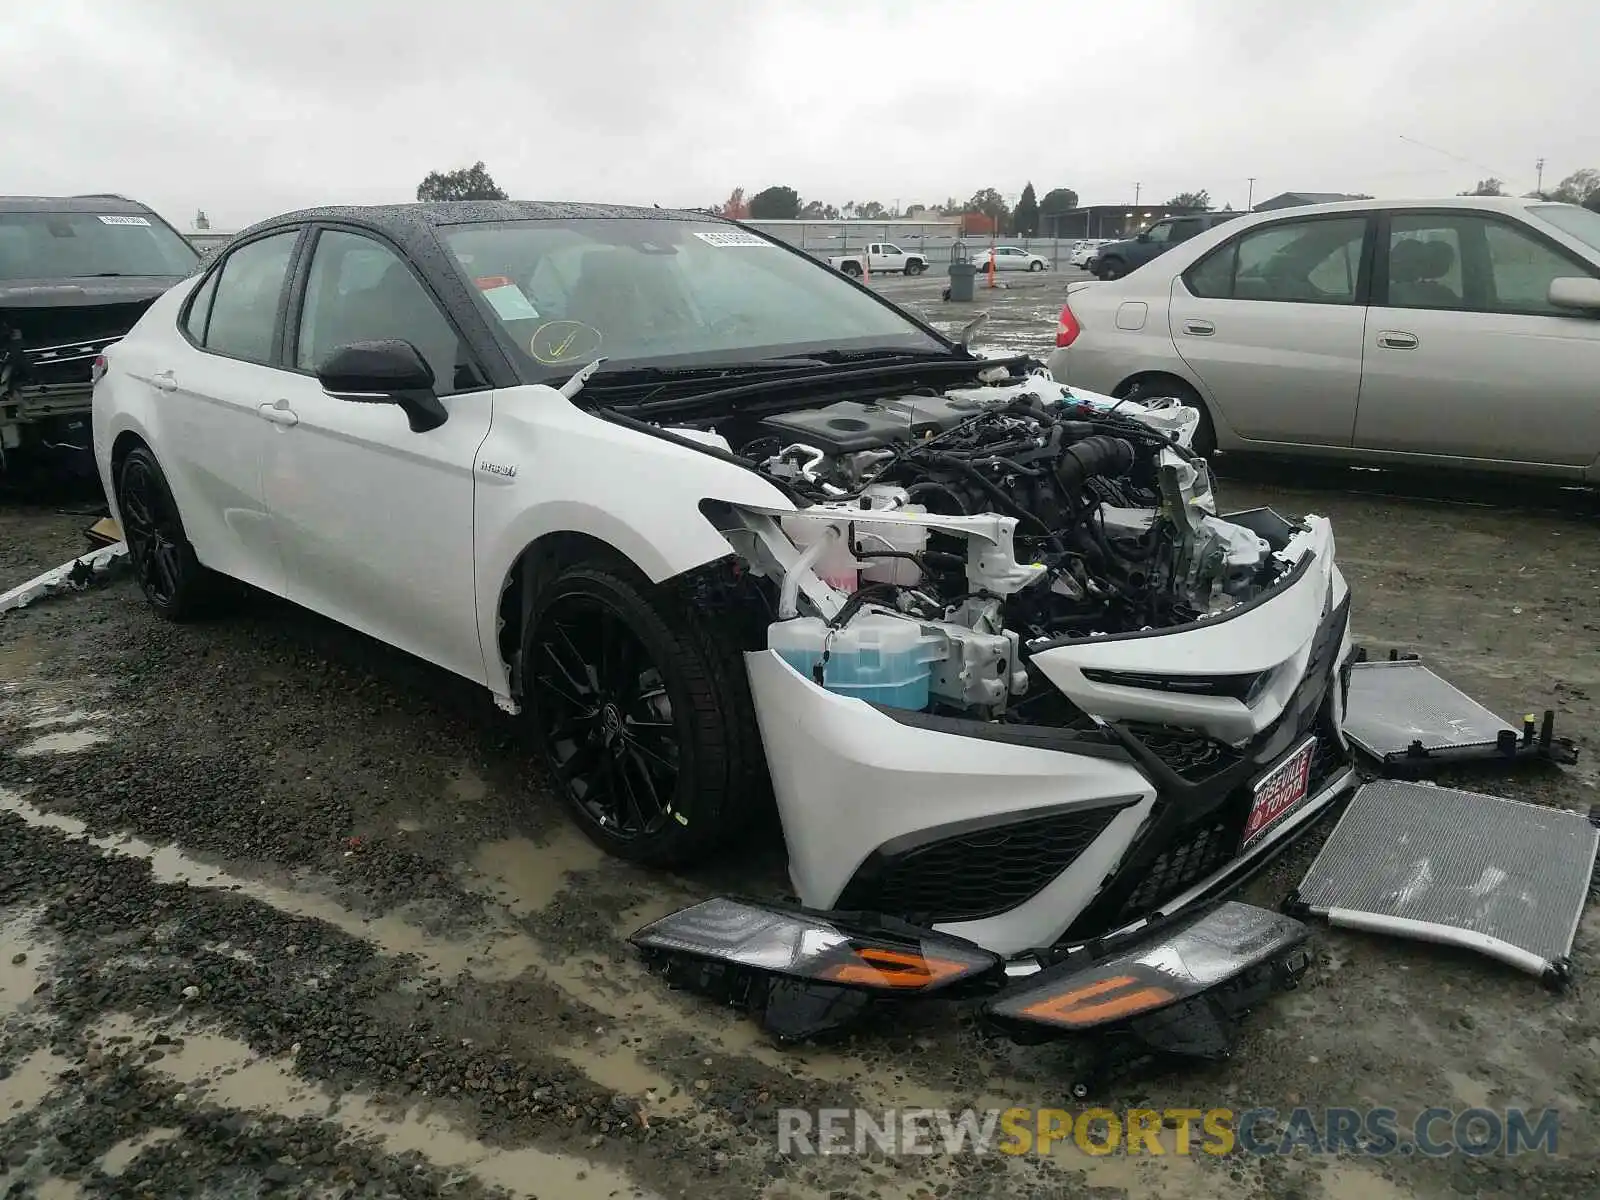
[77, 293]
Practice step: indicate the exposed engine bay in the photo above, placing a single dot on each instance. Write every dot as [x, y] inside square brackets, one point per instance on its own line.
[948, 535]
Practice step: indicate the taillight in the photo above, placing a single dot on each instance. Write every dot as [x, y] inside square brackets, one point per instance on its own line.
[1067, 327]
[98, 370]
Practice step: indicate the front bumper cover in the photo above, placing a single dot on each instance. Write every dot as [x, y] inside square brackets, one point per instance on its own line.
[1016, 837]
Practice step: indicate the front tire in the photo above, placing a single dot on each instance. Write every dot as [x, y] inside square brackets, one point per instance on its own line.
[1111, 269]
[169, 573]
[643, 716]
[914, 268]
[1035, 266]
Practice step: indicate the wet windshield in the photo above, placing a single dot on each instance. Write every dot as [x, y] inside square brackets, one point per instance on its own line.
[80, 245]
[664, 292]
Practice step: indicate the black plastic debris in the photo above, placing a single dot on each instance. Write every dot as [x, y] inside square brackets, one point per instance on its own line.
[1501, 877]
[1410, 720]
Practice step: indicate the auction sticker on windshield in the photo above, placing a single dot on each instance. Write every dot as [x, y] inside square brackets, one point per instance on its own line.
[1280, 792]
[121, 219]
[731, 237]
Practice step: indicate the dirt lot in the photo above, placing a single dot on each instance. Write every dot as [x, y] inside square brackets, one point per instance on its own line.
[285, 913]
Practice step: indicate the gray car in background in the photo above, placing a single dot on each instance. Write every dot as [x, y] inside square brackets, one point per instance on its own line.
[1462, 332]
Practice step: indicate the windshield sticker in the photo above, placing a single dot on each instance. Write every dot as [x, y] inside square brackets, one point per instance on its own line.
[557, 342]
[733, 237]
[509, 302]
[120, 219]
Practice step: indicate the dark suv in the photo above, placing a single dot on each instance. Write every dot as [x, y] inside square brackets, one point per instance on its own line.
[75, 273]
[1116, 259]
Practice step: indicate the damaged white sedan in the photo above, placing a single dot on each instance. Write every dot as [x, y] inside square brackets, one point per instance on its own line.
[725, 526]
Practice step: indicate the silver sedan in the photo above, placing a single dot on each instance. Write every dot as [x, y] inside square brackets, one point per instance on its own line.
[1461, 332]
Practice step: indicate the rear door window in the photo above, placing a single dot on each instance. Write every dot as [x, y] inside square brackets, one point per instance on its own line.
[1313, 261]
[244, 311]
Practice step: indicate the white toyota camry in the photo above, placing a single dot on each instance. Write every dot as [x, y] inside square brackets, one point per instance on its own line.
[723, 527]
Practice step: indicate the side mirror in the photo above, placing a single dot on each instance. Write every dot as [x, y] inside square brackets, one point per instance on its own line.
[1578, 292]
[386, 372]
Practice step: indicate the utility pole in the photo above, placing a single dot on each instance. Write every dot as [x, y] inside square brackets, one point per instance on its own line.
[1136, 188]
[1539, 187]
[1250, 204]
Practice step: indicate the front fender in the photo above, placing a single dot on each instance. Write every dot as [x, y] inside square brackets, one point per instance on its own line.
[577, 473]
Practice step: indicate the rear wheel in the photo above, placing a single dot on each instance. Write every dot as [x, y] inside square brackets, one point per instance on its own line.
[643, 716]
[851, 268]
[1204, 442]
[1111, 268]
[172, 578]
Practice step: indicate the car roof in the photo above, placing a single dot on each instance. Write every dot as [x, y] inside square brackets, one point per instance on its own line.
[102, 203]
[400, 219]
[1508, 204]
[412, 226]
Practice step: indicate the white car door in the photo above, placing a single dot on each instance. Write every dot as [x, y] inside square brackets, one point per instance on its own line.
[1466, 356]
[1272, 321]
[211, 434]
[375, 520]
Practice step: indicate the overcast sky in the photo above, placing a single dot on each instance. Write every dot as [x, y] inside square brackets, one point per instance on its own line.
[250, 108]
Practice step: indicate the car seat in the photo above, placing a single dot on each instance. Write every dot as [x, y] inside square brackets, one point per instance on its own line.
[1416, 272]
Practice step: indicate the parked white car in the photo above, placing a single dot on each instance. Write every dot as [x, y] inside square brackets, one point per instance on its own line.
[1083, 251]
[1462, 332]
[1011, 258]
[720, 527]
[880, 258]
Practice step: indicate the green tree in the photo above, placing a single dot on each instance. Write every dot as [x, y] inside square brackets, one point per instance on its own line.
[816, 210]
[1058, 200]
[1027, 214]
[871, 211]
[775, 204]
[467, 183]
[1486, 187]
[992, 205]
[1200, 200]
[1578, 187]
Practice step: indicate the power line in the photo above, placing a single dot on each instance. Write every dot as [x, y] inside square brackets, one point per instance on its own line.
[1494, 171]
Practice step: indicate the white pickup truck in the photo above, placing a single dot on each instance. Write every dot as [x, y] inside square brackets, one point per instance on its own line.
[880, 257]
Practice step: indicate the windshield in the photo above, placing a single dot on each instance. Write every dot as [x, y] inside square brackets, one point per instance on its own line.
[664, 293]
[79, 245]
[1569, 218]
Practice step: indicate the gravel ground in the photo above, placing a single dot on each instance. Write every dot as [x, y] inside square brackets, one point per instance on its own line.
[283, 912]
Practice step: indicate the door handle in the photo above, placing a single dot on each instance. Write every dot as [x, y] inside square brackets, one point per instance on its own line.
[279, 413]
[1199, 328]
[165, 381]
[1395, 339]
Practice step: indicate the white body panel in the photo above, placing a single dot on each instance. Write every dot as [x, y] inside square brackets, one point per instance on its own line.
[841, 771]
[579, 474]
[375, 521]
[1275, 635]
[200, 412]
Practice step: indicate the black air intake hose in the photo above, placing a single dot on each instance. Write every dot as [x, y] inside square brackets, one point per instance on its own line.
[1101, 454]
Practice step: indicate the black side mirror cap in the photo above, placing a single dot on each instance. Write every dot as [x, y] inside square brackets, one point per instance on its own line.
[385, 372]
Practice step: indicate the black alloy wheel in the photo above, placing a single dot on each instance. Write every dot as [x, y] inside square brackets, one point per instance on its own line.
[164, 564]
[608, 721]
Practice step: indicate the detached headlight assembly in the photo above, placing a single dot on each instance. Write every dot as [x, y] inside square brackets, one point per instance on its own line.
[1164, 968]
[886, 957]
